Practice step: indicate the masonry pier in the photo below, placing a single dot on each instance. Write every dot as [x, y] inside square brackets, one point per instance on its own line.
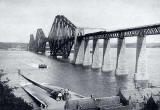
[87, 54]
[107, 63]
[121, 65]
[95, 54]
[78, 48]
[80, 53]
[140, 68]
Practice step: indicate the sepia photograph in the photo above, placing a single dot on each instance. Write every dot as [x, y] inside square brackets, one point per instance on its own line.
[79, 54]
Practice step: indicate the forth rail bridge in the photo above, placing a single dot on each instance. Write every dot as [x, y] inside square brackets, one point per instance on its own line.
[65, 36]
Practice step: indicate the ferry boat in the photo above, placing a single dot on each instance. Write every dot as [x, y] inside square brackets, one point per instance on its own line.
[42, 66]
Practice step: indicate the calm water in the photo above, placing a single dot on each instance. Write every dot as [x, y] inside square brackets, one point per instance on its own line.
[78, 79]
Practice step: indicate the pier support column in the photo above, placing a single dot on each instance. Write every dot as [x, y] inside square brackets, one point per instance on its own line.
[77, 43]
[140, 68]
[87, 54]
[71, 56]
[106, 63]
[95, 55]
[121, 65]
[80, 54]
[76, 49]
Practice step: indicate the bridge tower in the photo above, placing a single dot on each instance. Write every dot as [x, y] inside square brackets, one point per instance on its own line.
[61, 37]
[40, 41]
[31, 43]
[141, 63]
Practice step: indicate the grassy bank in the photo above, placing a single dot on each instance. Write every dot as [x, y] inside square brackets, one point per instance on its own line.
[8, 101]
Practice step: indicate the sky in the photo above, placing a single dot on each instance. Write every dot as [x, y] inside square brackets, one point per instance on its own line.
[20, 18]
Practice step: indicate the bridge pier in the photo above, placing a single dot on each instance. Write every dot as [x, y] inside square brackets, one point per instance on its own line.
[78, 48]
[95, 54]
[87, 54]
[106, 63]
[80, 54]
[71, 55]
[121, 66]
[140, 68]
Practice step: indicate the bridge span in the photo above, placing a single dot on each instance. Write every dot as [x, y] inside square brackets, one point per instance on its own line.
[65, 36]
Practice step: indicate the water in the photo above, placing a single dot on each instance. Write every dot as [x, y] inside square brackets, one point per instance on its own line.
[84, 81]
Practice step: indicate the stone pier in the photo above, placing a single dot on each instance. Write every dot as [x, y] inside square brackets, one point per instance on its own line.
[121, 65]
[80, 54]
[140, 68]
[71, 56]
[95, 55]
[107, 63]
[77, 47]
[87, 54]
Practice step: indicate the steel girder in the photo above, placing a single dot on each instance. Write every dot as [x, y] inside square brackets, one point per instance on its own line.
[31, 43]
[129, 32]
[40, 41]
[61, 47]
[61, 36]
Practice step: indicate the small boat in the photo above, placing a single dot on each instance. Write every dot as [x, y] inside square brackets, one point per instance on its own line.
[42, 66]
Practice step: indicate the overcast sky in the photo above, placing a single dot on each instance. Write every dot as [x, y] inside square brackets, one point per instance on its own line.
[20, 18]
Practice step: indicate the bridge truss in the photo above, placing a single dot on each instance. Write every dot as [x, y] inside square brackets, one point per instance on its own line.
[40, 41]
[64, 34]
[129, 32]
[61, 36]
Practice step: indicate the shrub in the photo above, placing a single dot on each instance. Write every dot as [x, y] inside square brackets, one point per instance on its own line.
[8, 101]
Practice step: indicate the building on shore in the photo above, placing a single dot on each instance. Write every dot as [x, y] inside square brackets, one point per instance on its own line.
[141, 99]
[153, 103]
[105, 103]
[132, 98]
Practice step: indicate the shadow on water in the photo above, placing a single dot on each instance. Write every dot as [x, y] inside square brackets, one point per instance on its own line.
[121, 81]
[110, 72]
[52, 58]
[62, 60]
[86, 67]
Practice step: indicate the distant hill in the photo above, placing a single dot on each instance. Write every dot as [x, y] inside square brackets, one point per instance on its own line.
[24, 46]
[13, 46]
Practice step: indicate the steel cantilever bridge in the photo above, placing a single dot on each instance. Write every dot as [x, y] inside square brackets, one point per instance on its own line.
[61, 38]
[63, 33]
[64, 36]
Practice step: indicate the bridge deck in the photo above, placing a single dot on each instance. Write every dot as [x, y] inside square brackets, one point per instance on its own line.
[128, 32]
